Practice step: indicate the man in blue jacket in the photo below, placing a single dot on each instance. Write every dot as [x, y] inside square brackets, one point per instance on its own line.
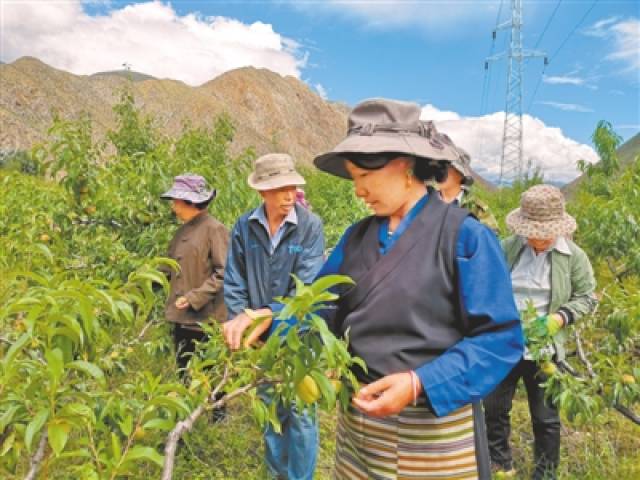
[268, 244]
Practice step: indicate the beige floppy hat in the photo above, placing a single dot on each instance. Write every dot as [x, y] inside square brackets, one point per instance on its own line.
[274, 170]
[541, 214]
[381, 125]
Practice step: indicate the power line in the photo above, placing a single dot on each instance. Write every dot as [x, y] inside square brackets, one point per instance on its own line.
[535, 90]
[546, 27]
[487, 72]
[584, 17]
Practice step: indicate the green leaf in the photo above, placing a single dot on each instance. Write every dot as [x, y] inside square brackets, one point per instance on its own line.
[8, 443]
[58, 435]
[325, 386]
[126, 425]
[328, 281]
[79, 410]
[55, 363]
[159, 424]
[116, 446]
[173, 404]
[34, 427]
[14, 350]
[293, 341]
[144, 453]
[7, 417]
[90, 369]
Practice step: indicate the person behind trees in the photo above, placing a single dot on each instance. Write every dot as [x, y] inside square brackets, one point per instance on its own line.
[435, 334]
[456, 188]
[279, 238]
[200, 248]
[554, 274]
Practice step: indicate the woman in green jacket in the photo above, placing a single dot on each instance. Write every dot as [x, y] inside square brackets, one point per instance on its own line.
[555, 275]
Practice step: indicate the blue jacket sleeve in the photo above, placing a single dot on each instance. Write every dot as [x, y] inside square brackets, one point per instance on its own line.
[236, 293]
[493, 341]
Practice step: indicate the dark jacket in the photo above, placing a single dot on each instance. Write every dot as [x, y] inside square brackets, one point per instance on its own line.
[200, 247]
[254, 276]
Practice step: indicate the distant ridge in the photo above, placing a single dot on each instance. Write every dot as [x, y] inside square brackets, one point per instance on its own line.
[269, 112]
[126, 74]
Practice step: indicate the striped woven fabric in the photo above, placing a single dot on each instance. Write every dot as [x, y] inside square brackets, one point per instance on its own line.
[414, 444]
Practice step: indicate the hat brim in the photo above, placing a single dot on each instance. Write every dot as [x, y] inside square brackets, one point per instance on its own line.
[463, 170]
[409, 144]
[528, 228]
[277, 181]
[193, 197]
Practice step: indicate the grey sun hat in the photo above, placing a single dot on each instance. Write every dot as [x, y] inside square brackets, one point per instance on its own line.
[189, 187]
[274, 170]
[462, 165]
[381, 125]
[541, 214]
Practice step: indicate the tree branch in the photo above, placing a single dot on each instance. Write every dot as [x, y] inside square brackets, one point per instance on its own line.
[187, 424]
[36, 460]
[582, 356]
[626, 412]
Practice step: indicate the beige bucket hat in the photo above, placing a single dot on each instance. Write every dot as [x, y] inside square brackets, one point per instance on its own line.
[274, 170]
[541, 214]
[381, 125]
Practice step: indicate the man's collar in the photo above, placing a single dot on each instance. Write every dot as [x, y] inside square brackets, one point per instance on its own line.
[260, 215]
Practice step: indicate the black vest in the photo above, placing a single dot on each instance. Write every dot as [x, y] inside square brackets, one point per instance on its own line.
[405, 308]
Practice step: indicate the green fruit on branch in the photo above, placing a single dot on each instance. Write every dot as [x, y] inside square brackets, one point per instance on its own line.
[337, 385]
[45, 238]
[308, 390]
[548, 368]
[628, 379]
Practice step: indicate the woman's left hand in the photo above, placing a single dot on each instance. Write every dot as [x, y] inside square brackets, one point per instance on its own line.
[387, 396]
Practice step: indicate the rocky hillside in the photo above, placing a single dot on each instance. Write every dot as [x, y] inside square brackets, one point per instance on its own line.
[270, 112]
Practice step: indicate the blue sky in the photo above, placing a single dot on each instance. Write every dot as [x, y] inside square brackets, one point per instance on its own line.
[427, 51]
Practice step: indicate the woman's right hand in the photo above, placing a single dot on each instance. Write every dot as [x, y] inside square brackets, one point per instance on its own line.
[234, 329]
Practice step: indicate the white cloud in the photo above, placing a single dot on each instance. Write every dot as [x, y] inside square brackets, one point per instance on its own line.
[433, 16]
[563, 80]
[321, 91]
[567, 107]
[601, 27]
[547, 147]
[625, 35]
[151, 37]
[627, 43]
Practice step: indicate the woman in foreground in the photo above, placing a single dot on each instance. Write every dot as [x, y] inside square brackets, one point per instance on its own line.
[432, 312]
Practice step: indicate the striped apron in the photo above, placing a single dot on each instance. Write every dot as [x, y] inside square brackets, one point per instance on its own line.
[414, 444]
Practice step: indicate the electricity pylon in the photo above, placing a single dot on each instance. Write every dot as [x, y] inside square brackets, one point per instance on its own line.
[511, 162]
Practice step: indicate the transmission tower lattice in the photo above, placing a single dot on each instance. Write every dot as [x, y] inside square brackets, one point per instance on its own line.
[511, 162]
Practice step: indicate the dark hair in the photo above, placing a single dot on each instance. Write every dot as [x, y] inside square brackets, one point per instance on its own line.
[423, 169]
[201, 205]
[431, 170]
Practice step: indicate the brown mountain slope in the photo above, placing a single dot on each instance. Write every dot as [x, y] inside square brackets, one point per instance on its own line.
[270, 112]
